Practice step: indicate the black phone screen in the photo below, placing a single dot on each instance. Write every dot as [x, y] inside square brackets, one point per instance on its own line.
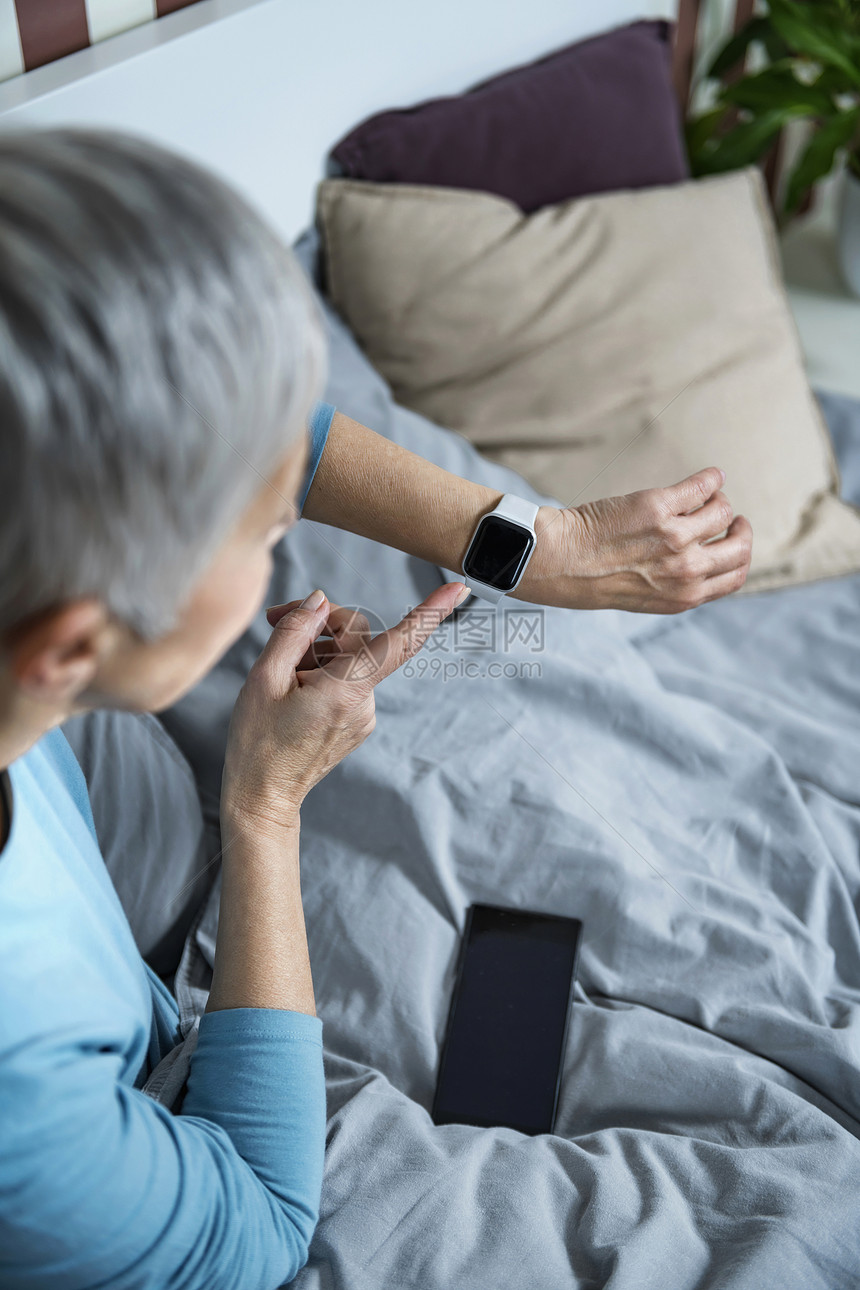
[501, 1057]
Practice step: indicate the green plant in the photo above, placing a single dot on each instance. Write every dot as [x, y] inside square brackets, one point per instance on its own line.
[812, 72]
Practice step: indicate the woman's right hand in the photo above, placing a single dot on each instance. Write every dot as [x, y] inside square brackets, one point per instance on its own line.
[303, 708]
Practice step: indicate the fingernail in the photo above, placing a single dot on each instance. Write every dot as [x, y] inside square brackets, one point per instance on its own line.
[467, 591]
[314, 600]
[722, 472]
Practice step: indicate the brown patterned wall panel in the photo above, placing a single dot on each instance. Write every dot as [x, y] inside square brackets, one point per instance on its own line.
[684, 54]
[743, 13]
[51, 28]
[168, 6]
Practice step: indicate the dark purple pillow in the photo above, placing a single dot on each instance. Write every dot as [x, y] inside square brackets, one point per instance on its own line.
[595, 116]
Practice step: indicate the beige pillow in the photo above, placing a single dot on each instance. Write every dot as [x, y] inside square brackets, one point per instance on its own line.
[602, 345]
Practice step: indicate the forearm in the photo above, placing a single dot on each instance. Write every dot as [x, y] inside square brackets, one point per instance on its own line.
[644, 552]
[371, 486]
[261, 959]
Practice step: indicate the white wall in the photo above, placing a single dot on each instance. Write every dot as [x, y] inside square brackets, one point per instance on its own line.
[260, 89]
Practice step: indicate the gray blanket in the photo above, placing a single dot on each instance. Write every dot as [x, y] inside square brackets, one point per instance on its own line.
[689, 787]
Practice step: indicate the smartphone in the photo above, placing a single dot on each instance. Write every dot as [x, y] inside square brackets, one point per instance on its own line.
[509, 1017]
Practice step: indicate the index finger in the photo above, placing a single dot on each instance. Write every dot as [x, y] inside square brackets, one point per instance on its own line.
[389, 650]
[695, 490]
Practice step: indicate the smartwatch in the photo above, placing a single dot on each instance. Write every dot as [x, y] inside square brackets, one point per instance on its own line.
[501, 547]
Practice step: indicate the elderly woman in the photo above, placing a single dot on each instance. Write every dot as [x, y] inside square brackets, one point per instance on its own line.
[161, 365]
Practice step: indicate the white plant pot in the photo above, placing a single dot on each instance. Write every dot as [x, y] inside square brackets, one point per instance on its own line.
[849, 232]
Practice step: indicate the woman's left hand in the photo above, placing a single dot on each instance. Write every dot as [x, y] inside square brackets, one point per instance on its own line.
[656, 551]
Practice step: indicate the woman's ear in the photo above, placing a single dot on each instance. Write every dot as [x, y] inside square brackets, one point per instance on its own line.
[55, 654]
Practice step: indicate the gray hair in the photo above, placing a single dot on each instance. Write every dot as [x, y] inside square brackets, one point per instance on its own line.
[160, 348]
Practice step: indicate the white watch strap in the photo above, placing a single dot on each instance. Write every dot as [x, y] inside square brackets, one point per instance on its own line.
[483, 590]
[519, 509]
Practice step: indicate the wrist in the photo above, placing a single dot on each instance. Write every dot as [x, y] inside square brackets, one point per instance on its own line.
[561, 571]
[258, 820]
[543, 580]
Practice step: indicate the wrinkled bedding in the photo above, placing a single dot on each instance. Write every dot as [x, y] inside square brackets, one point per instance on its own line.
[689, 787]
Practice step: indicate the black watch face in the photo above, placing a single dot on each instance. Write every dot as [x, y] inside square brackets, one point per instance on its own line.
[498, 553]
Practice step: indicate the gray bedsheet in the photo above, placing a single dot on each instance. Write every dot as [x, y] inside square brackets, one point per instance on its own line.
[690, 788]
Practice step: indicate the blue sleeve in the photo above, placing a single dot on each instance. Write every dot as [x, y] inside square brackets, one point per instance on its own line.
[319, 424]
[111, 1189]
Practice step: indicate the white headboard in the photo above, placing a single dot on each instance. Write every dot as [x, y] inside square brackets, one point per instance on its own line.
[260, 89]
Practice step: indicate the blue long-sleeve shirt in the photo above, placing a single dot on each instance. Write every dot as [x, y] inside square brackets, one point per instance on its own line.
[100, 1185]
[319, 424]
